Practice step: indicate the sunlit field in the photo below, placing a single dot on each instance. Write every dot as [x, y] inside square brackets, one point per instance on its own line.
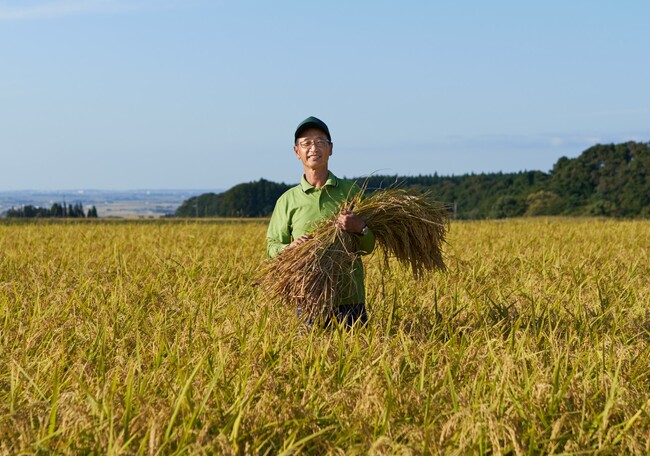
[152, 337]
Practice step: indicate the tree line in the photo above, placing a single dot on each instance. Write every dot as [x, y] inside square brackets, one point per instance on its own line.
[253, 199]
[605, 180]
[56, 210]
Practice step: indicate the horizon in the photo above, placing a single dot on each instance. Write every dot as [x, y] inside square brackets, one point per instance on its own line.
[73, 191]
[76, 191]
[197, 94]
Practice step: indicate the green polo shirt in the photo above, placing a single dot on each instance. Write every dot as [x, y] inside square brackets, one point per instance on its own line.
[300, 208]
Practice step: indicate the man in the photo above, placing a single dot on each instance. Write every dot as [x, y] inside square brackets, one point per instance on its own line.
[317, 197]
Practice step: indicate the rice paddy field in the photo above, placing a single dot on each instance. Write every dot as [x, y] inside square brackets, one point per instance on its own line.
[152, 337]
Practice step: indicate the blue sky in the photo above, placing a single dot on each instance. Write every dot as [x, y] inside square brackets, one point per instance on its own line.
[182, 94]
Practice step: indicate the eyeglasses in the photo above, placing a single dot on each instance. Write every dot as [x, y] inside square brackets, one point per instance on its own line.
[318, 142]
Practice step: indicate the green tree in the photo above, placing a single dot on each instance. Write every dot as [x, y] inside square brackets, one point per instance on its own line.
[508, 206]
[543, 203]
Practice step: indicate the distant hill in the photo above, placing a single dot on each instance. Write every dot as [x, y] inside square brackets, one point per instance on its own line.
[605, 180]
[254, 199]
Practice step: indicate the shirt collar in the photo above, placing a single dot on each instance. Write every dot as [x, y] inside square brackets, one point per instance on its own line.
[331, 181]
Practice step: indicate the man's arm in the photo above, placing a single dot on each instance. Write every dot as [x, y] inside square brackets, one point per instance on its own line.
[367, 242]
[351, 223]
[278, 236]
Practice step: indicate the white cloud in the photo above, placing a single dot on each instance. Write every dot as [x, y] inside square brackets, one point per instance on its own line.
[45, 9]
[551, 142]
[577, 141]
[593, 140]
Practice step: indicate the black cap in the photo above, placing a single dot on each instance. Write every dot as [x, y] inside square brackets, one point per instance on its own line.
[312, 122]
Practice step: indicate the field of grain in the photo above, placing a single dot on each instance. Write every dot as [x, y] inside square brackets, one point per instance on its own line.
[151, 337]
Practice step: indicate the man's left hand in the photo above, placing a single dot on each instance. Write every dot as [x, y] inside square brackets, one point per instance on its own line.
[350, 222]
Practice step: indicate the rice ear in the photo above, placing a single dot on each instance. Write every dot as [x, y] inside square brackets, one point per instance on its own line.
[411, 228]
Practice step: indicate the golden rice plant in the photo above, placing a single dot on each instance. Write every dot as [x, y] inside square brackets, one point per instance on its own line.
[146, 337]
[410, 228]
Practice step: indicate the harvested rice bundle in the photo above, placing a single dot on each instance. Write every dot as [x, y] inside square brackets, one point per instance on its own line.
[310, 276]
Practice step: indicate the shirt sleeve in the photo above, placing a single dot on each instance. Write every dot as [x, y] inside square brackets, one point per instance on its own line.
[278, 235]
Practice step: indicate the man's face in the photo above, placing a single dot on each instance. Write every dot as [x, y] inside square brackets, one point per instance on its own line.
[313, 149]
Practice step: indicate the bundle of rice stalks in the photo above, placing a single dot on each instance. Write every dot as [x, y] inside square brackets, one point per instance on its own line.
[311, 275]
